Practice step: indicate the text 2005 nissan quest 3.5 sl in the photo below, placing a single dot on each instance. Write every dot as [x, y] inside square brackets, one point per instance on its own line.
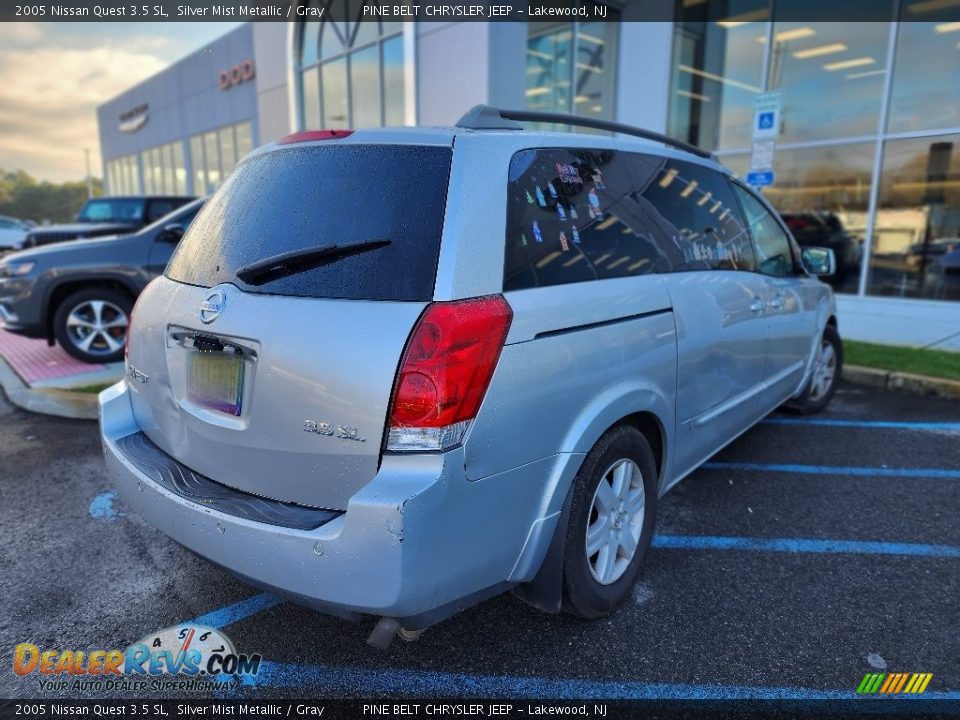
[397, 372]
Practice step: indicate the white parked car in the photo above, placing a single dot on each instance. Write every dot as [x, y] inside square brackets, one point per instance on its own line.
[12, 233]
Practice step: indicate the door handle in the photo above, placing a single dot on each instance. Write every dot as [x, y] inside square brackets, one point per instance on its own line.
[757, 305]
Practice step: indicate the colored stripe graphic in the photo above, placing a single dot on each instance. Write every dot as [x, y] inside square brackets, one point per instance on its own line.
[894, 683]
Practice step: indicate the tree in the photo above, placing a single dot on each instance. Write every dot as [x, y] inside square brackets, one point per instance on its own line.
[21, 196]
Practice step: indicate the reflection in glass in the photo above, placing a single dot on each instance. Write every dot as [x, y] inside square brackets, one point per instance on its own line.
[549, 49]
[365, 87]
[356, 78]
[823, 194]
[310, 82]
[717, 72]
[916, 250]
[244, 140]
[393, 82]
[918, 98]
[213, 160]
[228, 156]
[199, 166]
[555, 82]
[831, 78]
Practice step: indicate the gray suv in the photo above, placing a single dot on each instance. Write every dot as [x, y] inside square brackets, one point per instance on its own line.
[80, 293]
[397, 372]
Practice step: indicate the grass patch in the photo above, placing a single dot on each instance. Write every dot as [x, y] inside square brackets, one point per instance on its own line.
[92, 389]
[935, 363]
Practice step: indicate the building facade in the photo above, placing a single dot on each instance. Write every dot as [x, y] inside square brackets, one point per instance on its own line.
[867, 148]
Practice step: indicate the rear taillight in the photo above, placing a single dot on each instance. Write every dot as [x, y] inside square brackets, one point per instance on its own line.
[445, 372]
[314, 135]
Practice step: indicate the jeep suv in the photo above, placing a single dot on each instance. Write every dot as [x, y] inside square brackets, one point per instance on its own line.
[108, 216]
[80, 293]
[397, 371]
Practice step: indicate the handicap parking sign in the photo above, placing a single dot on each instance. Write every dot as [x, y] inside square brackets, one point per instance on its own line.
[766, 116]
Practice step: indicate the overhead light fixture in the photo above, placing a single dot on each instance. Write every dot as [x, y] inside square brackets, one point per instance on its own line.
[743, 19]
[718, 78]
[844, 64]
[716, 206]
[695, 96]
[591, 39]
[534, 91]
[795, 34]
[932, 5]
[691, 186]
[573, 261]
[868, 73]
[947, 27]
[819, 50]
[706, 197]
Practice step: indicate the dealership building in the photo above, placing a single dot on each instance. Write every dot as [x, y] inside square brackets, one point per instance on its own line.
[865, 144]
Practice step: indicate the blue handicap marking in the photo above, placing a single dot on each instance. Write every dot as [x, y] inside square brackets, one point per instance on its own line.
[760, 178]
[765, 120]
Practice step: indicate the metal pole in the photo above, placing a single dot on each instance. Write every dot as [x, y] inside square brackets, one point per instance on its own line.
[86, 152]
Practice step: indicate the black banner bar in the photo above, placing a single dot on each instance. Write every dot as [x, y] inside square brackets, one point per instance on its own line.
[455, 709]
[425, 11]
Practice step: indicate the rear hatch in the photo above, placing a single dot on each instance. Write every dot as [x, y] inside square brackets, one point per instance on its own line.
[269, 354]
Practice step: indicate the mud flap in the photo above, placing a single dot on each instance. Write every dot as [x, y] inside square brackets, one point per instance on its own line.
[545, 591]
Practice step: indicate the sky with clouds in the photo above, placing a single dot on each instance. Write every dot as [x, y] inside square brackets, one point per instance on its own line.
[54, 75]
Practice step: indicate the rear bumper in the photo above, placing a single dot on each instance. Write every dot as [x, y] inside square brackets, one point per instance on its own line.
[419, 537]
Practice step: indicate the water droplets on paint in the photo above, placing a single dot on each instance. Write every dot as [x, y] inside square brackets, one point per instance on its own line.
[877, 662]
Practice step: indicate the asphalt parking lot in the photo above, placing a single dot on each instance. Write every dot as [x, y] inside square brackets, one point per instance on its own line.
[806, 554]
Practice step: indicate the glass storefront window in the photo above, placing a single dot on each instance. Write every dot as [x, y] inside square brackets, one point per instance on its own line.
[717, 71]
[830, 77]
[823, 194]
[916, 248]
[122, 176]
[919, 97]
[570, 67]
[351, 72]
[215, 154]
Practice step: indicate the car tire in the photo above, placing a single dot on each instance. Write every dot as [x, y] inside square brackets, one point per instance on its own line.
[827, 368]
[91, 325]
[615, 501]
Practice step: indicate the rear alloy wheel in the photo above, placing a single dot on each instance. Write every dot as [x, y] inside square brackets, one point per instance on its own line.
[611, 522]
[92, 324]
[827, 366]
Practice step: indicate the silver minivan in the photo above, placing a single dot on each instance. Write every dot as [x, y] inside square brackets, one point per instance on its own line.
[395, 372]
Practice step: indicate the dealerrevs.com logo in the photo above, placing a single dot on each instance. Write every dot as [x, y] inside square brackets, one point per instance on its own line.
[184, 657]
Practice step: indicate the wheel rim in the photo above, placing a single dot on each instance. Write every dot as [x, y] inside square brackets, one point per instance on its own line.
[615, 522]
[97, 327]
[824, 371]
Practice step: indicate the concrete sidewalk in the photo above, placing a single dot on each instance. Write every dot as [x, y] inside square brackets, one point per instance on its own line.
[43, 379]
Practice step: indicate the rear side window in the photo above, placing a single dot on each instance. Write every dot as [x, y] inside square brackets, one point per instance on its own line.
[317, 196]
[579, 215]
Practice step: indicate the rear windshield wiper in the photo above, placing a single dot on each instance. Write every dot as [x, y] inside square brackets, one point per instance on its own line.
[295, 261]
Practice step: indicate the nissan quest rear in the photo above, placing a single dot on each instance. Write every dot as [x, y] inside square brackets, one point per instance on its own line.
[396, 372]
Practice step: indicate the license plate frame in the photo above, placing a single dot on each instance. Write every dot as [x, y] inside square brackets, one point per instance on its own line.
[215, 380]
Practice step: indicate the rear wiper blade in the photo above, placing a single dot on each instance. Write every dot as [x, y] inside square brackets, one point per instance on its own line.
[295, 261]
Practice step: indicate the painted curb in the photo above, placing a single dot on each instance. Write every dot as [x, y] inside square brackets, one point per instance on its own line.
[904, 382]
[47, 401]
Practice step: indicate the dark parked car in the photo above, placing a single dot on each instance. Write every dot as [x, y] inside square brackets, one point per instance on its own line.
[81, 293]
[108, 216]
[824, 229]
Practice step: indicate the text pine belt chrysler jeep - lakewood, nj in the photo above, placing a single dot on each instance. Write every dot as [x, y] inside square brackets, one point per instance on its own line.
[396, 372]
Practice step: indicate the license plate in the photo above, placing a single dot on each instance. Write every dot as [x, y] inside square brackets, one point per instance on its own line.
[216, 381]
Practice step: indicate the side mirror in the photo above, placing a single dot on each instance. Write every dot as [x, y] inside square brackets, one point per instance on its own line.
[171, 233]
[818, 260]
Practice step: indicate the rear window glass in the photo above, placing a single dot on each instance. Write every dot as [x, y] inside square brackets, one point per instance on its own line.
[575, 215]
[312, 197]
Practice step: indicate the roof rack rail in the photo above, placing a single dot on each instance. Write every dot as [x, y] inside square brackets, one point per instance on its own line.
[484, 117]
